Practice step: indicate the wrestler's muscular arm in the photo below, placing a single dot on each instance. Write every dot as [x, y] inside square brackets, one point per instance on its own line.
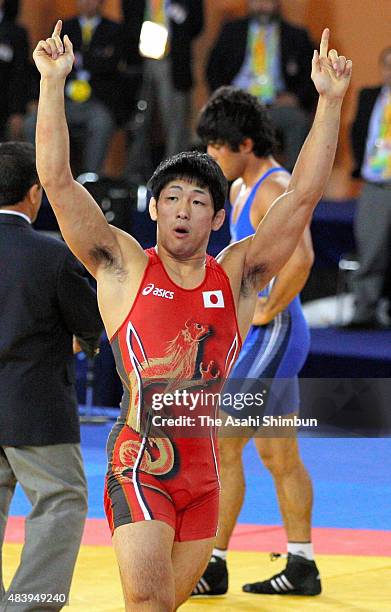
[252, 262]
[291, 279]
[107, 253]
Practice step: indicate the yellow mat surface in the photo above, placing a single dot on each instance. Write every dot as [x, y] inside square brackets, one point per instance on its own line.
[350, 583]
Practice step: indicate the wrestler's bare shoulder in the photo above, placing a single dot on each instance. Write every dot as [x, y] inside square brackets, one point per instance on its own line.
[119, 279]
[235, 189]
[232, 260]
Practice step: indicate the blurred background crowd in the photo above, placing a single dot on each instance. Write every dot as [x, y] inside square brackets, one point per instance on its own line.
[144, 68]
[150, 62]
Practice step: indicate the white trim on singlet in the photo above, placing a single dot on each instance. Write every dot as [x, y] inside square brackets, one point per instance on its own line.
[139, 343]
[233, 347]
[214, 456]
[135, 363]
[146, 514]
[258, 365]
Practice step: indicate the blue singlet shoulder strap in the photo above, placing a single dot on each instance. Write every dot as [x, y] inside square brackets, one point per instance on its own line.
[260, 181]
[244, 215]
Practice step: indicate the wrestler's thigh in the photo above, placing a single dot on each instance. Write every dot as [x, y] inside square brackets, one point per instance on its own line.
[143, 551]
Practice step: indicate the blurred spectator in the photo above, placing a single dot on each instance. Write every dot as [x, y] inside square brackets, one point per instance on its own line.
[371, 143]
[93, 87]
[14, 52]
[167, 32]
[271, 59]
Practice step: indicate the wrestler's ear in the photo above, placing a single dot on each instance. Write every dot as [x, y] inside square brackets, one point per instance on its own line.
[218, 219]
[246, 146]
[153, 209]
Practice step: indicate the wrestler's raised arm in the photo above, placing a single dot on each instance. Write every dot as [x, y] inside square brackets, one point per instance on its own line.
[83, 225]
[280, 230]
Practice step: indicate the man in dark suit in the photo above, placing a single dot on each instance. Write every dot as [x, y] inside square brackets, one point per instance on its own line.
[45, 300]
[94, 85]
[270, 58]
[14, 52]
[167, 74]
[371, 144]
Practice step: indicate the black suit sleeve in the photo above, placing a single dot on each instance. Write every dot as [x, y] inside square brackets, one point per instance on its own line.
[195, 20]
[133, 12]
[358, 133]
[19, 82]
[219, 71]
[78, 304]
[306, 91]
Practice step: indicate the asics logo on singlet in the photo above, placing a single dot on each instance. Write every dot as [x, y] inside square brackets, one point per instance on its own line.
[169, 295]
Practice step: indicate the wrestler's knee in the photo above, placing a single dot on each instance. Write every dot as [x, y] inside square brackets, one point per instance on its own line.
[141, 592]
[280, 456]
[143, 599]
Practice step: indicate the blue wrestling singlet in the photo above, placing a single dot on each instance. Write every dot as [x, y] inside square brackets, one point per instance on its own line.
[275, 351]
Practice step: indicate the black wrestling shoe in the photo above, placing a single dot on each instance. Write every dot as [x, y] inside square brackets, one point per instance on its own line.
[300, 577]
[214, 580]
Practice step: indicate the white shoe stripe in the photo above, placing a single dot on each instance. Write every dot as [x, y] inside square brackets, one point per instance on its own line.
[281, 584]
[200, 588]
[204, 584]
[286, 581]
[275, 586]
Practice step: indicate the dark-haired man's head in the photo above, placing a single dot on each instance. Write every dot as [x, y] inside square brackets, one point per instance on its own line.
[195, 167]
[90, 8]
[19, 183]
[189, 191]
[385, 66]
[234, 124]
[265, 10]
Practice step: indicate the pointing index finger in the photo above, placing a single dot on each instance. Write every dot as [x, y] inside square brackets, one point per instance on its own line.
[57, 29]
[324, 43]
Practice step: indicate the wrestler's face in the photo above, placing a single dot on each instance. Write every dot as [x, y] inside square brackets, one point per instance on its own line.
[386, 69]
[231, 162]
[185, 217]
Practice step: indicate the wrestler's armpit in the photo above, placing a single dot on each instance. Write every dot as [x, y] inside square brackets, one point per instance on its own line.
[252, 278]
[102, 255]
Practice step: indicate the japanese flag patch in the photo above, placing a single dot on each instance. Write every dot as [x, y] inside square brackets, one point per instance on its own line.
[213, 299]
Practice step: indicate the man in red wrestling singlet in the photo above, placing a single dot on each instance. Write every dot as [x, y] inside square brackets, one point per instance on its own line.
[174, 314]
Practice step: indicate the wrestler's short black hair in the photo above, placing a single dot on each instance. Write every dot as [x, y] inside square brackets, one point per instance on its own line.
[18, 172]
[195, 167]
[231, 115]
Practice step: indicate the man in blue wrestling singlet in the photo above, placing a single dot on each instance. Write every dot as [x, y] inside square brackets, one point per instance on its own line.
[238, 134]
